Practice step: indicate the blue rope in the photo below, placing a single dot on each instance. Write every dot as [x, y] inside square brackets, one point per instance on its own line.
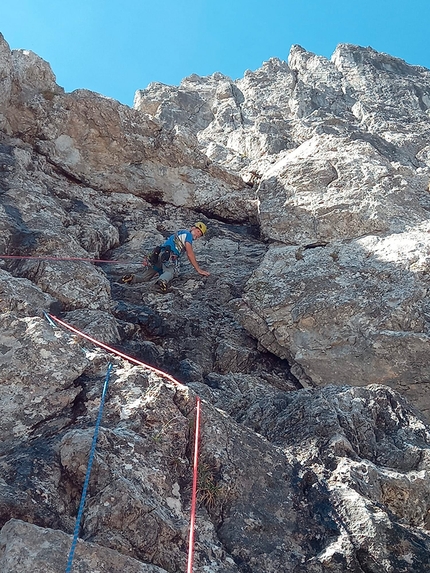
[49, 319]
[87, 477]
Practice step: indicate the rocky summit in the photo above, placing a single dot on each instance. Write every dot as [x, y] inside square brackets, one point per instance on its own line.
[304, 354]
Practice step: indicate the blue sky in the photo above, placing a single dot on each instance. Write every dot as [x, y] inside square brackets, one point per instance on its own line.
[116, 47]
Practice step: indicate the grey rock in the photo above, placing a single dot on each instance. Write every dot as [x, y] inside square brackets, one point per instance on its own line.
[42, 390]
[109, 146]
[350, 181]
[354, 313]
[25, 547]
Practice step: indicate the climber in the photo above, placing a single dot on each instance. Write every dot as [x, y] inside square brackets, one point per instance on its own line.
[164, 260]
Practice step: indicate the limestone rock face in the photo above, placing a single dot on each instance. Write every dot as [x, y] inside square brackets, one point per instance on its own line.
[353, 312]
[307, 344]
[334, 189]
[337, 151]
[26, 548]
[99, 142]
[352, 436]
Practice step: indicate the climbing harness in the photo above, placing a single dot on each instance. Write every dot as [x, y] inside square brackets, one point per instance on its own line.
[162, 256]
[87, 476]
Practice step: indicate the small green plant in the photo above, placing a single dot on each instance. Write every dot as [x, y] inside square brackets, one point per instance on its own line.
[209, 493]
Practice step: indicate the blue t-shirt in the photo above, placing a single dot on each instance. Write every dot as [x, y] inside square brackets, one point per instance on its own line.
[177, 241]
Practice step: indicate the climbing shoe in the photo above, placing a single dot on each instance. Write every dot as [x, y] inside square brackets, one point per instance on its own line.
[162, 286]
[127, 279]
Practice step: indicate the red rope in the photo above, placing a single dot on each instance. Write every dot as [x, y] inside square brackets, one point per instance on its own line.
[114, 350]
[48, 258]
[194, 491]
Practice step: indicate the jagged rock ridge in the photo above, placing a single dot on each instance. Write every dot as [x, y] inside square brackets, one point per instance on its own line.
[313, 177]
[340, 152]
